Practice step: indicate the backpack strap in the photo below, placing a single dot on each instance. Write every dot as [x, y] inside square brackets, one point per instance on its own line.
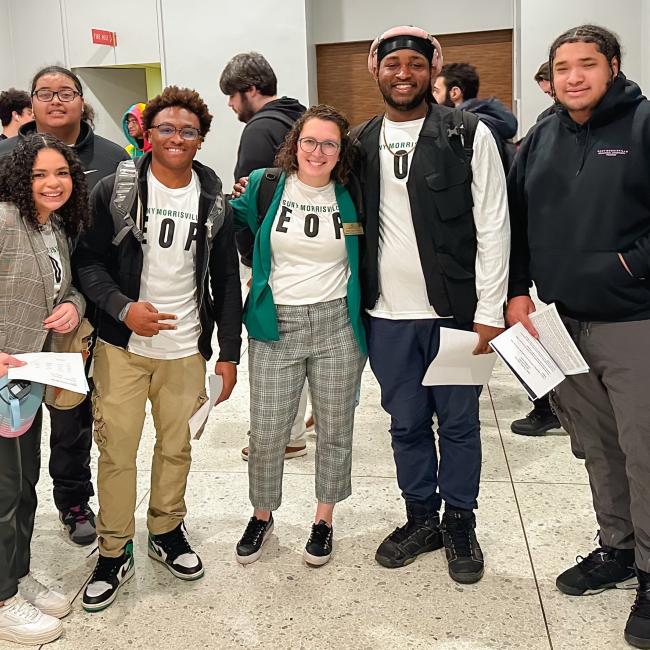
[269, 182]
[125, 192]
[467, 128]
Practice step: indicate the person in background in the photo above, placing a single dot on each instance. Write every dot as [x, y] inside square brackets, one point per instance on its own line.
[134, 132]
[43, 208]
[15, 110]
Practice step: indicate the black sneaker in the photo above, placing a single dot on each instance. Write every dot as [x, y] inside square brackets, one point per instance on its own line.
[420, 534]
[175, 552]
[536, 423]
[109, 575]
[79, 524]
[604, 568]
[464, 555]
[249, 547]
[318, 549]
[637, 629]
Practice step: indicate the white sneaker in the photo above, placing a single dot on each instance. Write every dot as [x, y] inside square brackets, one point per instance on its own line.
[21, 622]
[49, 602]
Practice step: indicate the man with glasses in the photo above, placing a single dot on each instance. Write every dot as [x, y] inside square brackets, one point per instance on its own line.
[58, 108]
[159, 290]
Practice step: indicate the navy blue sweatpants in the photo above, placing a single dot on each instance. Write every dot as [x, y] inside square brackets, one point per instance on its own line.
[400, 352]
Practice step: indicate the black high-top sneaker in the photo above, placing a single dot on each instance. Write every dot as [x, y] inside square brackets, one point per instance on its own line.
[109, 575]
[175, 552]
[604, 568]
[420, 534]
[637, 629]
[464, 555]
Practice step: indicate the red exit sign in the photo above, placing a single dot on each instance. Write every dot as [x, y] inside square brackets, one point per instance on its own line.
[104, 37]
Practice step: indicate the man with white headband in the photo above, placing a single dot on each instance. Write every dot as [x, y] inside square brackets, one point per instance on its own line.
[437, 246]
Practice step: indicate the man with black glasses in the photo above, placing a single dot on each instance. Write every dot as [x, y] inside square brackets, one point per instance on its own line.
[58, 107]
[159, 287]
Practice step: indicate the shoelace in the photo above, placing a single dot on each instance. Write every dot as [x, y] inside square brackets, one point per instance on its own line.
[460, 534]
[320, 534]
[254, 531]
[174, 543]
[596, 558]
[79, 514]
[402, 532]
[22, 609]
[106, 568]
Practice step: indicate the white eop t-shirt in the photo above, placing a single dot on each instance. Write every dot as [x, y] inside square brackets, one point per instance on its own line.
[309, 262]
[168, 274]
[402, 288]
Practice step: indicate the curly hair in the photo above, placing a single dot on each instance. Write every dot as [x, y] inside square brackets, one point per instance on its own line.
[16, 183]
[287, 158]
[13, 100]
[173, 96]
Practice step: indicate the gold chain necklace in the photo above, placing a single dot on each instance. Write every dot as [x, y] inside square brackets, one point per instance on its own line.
[393, 153]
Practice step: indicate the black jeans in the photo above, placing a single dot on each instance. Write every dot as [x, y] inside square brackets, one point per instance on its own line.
[71, 438]
[20, 465]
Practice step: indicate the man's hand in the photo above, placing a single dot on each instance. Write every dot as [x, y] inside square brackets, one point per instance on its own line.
[63, 319]
[144, 319]
[485, 334]
[7, 361]
[518, 310]
[239, 187]
[228, 372]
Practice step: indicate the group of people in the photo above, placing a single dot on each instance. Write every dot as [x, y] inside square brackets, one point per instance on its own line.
[363, 243]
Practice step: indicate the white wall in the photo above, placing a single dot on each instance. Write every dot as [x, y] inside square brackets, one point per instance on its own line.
[541, 22]
[7, 63]
[196, 56]
[337, 21]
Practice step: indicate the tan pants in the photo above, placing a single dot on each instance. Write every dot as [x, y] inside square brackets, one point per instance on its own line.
[123, 383]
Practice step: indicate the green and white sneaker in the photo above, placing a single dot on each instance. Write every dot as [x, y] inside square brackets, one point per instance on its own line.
[109, 575]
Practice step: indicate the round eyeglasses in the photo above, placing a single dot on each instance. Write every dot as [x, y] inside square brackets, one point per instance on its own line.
[186, 132]
[328, 147]
[47, 95]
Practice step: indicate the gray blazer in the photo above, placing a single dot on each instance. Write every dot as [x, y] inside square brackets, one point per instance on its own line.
[27, 283]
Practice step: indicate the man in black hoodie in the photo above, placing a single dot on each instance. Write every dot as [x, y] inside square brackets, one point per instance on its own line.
[580, 209]
[58, 107]
[457, 87]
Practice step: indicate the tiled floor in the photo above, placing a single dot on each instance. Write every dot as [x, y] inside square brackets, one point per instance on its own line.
[534, 517]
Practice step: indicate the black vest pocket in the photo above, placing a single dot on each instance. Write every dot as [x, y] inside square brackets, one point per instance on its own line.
[451, 191]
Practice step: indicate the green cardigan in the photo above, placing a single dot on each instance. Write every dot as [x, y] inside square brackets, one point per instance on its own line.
[260, 315]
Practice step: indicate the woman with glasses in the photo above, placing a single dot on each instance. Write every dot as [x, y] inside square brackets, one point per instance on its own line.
[43, 207]
[303, 319]
[60, 109]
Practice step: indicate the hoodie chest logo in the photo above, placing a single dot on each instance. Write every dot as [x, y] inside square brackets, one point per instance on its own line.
[612, 153]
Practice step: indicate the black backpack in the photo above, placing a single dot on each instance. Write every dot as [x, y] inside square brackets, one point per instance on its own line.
[269, 182]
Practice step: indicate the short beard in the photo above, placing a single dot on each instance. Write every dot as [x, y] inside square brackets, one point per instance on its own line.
[447, 101]
[405, 108]
[245, 113]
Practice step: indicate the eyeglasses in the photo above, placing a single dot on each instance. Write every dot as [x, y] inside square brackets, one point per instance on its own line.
[186, 132]
[64, 95]
[328, 147]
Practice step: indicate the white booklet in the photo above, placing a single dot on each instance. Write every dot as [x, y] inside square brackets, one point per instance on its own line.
[198, 420]
[540, 364]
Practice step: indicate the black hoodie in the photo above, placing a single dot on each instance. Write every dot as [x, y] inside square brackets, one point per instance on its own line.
[579, 195]
[264, 133]
[99, 157]
[501, 122]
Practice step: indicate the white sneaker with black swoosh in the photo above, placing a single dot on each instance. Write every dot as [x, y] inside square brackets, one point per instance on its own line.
[109, 575]
[175, 552]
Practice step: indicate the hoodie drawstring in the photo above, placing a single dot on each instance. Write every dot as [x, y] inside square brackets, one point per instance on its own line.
[584, 149]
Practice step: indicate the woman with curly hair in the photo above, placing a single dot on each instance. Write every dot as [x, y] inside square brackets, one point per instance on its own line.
[303, 318]
[43, 207]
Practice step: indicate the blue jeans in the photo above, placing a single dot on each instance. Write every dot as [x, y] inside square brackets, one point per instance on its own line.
[400, 352]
